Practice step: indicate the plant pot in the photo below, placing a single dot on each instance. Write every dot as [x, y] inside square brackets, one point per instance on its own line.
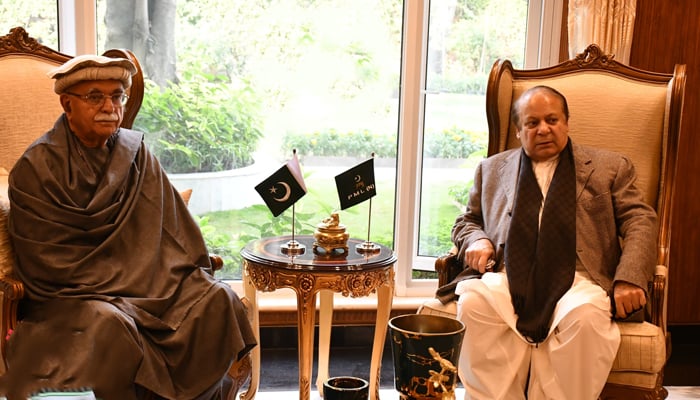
[426, 350]
[345, 388]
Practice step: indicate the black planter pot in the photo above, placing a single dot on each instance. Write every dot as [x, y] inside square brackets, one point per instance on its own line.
[426, 350]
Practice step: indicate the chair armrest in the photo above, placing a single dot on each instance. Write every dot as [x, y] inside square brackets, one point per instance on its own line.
[12, 292]
[657, 297]
[447, 267]
[11, 288]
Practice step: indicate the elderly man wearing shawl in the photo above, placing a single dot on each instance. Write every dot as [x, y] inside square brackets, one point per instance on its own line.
[121, 298]
[542, 230]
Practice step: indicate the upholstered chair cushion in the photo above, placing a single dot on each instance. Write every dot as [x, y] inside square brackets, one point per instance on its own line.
[612, 130]
[6, 255]
[186, 194]
[25, 82]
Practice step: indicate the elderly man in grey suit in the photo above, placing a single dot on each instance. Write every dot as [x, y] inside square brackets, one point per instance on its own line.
[543, 231]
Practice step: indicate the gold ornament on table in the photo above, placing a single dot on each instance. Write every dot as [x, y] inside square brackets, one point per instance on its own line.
[330, 238]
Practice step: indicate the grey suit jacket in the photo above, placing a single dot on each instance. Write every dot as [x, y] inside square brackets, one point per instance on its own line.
[616, 231]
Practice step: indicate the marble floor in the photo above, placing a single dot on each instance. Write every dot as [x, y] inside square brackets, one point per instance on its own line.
[674, 393]
[350, 354]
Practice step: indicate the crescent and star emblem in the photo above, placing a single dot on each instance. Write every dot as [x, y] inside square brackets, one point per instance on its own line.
[285, 196]
[358, 178]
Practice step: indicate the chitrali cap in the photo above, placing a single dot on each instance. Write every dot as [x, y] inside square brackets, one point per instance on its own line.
[90, 68]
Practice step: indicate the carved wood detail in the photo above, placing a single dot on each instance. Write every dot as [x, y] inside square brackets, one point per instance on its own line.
[357, 284]
[18, 41]
[593, 55]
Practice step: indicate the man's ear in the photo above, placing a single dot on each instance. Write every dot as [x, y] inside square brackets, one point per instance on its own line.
[65, 102]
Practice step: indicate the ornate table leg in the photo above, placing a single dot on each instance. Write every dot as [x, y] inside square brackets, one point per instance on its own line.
[306, 315]
[325, 321]
[251, 295]
[385, 294]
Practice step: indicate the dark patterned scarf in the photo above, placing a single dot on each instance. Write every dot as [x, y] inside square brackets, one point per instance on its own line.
[540, 264]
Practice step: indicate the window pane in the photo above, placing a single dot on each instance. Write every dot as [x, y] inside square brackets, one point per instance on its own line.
[38, 17]
[465, 39]
[234, 86]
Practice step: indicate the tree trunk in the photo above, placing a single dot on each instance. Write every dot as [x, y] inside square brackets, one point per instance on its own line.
[146, 27]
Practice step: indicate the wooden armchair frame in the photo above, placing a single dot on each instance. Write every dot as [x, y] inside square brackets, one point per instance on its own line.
[24, 63]
[637, 113]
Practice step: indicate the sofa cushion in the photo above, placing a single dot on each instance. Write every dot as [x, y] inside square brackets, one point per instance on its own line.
[435, 307]
[642, 348]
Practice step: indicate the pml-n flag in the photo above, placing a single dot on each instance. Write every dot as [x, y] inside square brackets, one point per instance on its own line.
[283, 188]
[356, 184]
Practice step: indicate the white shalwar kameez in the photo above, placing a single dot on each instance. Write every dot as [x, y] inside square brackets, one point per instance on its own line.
[572, 363]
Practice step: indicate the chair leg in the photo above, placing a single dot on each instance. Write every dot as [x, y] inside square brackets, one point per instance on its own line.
[240, 373]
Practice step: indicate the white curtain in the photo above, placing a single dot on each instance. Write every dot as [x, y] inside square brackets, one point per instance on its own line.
[607, 23]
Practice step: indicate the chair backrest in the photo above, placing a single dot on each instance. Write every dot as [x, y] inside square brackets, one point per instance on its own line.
[28, 105]
[613, 106]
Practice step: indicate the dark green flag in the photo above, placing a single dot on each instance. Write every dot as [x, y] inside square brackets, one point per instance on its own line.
[356, 184]
[283, 188]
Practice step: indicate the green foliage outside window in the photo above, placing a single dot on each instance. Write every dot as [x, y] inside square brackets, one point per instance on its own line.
[332, 143]
[449, 143]
[453, 142]
[200, 124]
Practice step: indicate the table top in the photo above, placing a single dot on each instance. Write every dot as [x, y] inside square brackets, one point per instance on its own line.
[269, 252]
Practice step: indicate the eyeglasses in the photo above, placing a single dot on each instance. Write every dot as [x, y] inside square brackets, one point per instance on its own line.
[98, 98]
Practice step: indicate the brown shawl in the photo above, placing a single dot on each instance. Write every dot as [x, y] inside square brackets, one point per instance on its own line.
[120, 234]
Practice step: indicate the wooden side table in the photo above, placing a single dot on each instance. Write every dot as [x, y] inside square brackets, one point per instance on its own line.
[267, 268]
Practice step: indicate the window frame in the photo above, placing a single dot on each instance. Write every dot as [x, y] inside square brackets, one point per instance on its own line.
[78, 35]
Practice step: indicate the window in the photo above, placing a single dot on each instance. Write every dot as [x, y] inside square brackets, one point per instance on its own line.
[464, 40]
[233, 87]
[39, 18]
[236, 86]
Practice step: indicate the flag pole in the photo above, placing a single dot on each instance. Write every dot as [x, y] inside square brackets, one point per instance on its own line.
[367, 246]
[292, 247]
[369, 218]
[293, 220]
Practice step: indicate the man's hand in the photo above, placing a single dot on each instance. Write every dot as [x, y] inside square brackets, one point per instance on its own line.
[628, 299]
[478, 255]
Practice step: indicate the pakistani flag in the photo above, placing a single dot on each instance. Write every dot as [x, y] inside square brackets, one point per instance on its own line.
[356, 184]
[283, 188]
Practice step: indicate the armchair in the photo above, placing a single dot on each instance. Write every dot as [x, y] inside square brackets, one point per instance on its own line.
[624, 109]
[29, 107]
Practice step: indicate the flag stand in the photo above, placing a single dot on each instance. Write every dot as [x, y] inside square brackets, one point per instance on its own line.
[367, 246]
[292, 247]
